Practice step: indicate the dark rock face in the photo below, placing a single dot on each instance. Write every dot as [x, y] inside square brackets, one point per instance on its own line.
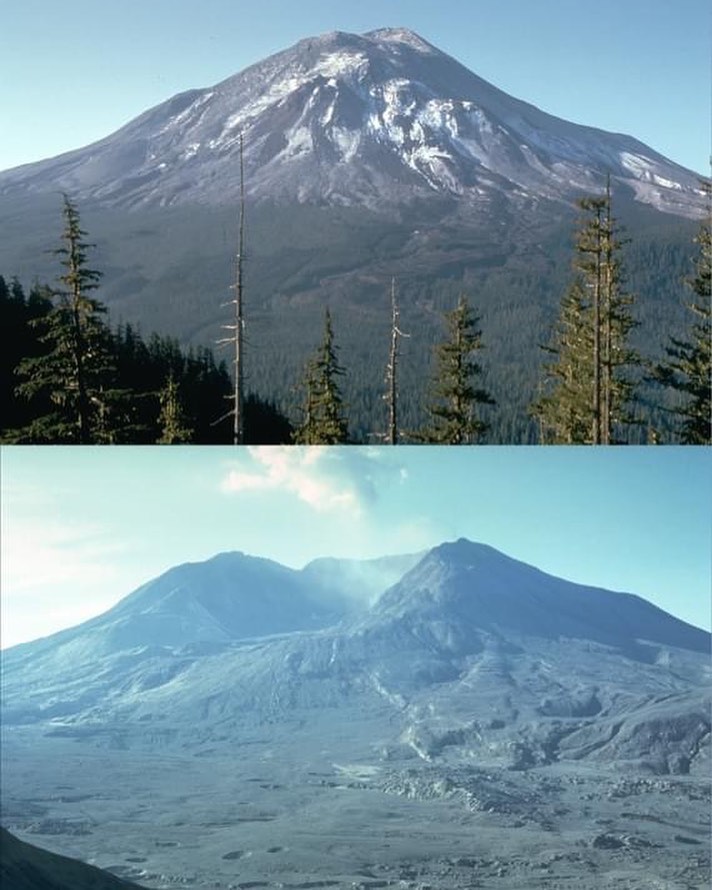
[26, 867]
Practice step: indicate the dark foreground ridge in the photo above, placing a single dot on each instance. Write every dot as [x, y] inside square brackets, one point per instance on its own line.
[26, 867]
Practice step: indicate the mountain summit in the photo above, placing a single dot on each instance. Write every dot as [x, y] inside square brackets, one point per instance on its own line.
[370, 120]
[519, 711]
[479, 708]
[454, 613]
[475, 589]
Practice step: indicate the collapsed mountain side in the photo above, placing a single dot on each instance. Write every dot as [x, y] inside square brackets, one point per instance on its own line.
[471, 657]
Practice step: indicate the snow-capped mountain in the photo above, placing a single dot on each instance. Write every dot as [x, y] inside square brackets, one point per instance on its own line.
[372, 120]
[466, 631]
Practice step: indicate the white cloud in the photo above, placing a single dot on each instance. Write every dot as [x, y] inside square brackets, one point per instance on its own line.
[325, 478]
[53, 575]
[36, 554]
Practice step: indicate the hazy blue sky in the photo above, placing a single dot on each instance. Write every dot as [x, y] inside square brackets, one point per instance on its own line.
[83, 527]
[74, 71]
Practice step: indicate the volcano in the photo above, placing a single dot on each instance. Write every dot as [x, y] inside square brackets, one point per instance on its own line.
[237, 723]
[374, 120]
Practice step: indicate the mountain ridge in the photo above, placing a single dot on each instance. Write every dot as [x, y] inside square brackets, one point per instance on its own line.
[27, 867]
[394, 585]
[546, 593]
[372, 119]
[314, 752]
[461, 608]
[348, 187]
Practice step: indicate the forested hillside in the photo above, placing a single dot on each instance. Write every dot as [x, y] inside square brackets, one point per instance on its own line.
[170, 386]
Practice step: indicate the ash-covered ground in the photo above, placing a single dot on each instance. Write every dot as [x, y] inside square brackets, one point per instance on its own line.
[279, 811]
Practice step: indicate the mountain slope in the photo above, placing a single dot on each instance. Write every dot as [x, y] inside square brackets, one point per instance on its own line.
[357, 582]
[368, 120]
[366, 157]
[470, 651]
[190, 611]
[476, 705]
[26, 867]
[475, 588]
[229, 597]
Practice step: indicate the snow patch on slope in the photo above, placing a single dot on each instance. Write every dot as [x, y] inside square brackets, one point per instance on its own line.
[406, 120]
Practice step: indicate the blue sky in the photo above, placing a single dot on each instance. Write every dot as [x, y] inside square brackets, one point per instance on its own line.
[75, 71]
[81, 528]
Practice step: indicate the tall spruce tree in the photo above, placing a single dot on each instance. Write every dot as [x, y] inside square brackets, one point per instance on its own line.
[455, 397]
[76, 375]
[324, 422]
[688, 368]
[172, 420]
[564, 414]
[587, 393]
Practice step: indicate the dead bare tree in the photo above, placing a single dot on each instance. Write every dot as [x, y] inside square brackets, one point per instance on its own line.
[236, 338]
[391, 395]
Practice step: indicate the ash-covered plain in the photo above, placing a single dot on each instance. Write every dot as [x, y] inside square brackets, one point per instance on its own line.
[480, 724]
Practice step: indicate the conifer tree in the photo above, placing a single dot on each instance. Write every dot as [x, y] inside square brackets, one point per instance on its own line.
[76, 374]
[323, 422]
[564, 414]
[174, 428]
[688, 368]
[455, 397]
[587, 392]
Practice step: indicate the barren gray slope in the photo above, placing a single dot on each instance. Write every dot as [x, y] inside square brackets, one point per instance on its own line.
[191, 610]
[465, 731]
[471, 654]
[369, 120]
[477, 588]
[228, 597]
[231, 596]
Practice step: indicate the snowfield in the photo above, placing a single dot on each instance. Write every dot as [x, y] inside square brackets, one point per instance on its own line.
[406, 121]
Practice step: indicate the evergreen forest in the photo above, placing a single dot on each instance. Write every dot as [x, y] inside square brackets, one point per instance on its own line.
[68, 376]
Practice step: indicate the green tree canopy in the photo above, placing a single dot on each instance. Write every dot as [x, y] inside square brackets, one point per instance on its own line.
[172, 420]
[76, 374]
[587, 393]
[688, 368]
[324, 421]
[455, 396]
